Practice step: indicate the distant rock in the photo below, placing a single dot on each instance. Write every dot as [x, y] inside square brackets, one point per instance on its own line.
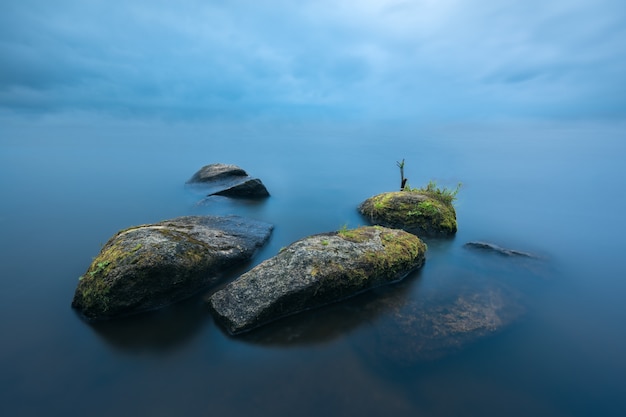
[214, 172]
[229, 181]
[149, 266]
[490, 247]
[412, 211]
[314, 271]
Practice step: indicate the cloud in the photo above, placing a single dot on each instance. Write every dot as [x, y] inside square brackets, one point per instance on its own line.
[375, 58]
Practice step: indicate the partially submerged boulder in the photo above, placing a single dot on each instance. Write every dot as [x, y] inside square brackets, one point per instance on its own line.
[149, 266]
[490, 247]
[314, 271]
[413, 211]
[229, 181]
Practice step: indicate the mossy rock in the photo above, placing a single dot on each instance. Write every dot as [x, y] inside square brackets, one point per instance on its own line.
[149, 266]
[315, 271]
[413, 211]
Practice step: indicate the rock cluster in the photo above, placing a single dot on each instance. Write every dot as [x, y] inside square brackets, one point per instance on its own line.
[228, 181]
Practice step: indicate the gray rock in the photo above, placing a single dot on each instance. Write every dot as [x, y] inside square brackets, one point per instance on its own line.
[149, 266]
[490, 247]
[228, 181]
[214, 172]
[314, 271]
[248, 188]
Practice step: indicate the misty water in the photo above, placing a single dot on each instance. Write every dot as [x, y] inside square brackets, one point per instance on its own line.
[551, 189]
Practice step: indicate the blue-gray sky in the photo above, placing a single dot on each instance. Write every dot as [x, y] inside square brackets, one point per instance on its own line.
[437, 59]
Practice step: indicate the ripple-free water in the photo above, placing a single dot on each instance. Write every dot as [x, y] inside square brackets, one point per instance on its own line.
[554, 190]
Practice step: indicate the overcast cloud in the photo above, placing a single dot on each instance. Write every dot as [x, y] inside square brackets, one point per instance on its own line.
[364, 58]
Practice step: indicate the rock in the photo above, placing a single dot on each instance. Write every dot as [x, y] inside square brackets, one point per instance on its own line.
[427, 329]
[214, 172]
[249, 188]
[497, 249]
[412, 211]
[229, 181]
[315, 271]
[149, 266]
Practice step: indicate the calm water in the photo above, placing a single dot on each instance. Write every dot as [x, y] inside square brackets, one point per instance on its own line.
[552, 189]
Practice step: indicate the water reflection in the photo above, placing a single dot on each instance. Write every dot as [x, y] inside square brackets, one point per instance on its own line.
[166, 328]
[330, 322]
[156, 331]
[475, 296]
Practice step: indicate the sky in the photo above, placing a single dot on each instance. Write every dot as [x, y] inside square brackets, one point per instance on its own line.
[421, 59]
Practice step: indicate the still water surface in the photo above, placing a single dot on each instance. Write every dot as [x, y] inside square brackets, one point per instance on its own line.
[552, 189]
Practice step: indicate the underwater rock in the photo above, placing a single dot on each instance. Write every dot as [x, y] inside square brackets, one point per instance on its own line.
[229, 181]
[315, 271]
[413, 211]
[428, 329]
[149, 266]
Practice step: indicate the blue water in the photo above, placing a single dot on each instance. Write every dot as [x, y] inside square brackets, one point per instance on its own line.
[554, 189]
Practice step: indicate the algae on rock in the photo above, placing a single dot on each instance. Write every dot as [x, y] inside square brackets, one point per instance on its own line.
[315, 271]
[415, 211]
[149, 266]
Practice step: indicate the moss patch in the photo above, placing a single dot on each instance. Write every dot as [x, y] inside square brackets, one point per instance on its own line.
[414, 211]
[124, 253]
[399, 254]
[360, 234]
[95, 285]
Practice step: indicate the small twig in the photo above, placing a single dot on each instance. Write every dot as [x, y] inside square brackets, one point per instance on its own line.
[402, 179]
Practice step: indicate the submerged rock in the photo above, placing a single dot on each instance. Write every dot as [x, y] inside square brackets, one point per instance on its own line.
[229, 181]
[490, 247]
[314, 271]
[149, 266]
[413, 211]
[426, 329]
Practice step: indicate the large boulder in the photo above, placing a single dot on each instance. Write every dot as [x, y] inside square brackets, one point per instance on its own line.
[149, 266]
[414, 211]
[314, 271]
[229, 181]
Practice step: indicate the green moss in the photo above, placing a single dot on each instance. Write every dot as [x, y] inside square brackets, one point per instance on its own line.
[94, 285]
[338, 277]
[99, 289]
[411, 210]
[400, 252]
[360, 234]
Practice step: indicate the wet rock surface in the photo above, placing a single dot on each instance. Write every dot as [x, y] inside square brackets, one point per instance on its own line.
[315, 271]
[149, 266]
[229, 181]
